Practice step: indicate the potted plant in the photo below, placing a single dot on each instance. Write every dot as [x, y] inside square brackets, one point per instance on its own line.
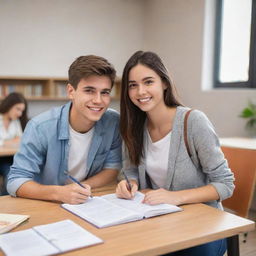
[249, 113]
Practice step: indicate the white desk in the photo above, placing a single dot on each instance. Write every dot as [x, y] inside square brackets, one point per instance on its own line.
[238, 142]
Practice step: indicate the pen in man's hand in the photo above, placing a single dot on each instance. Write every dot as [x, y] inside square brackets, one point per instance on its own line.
[128, 182]
[77, 182]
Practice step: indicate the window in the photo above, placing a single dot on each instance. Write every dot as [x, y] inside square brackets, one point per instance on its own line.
[235, 47]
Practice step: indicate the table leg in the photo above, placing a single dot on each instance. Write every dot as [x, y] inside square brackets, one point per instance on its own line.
[233, 246]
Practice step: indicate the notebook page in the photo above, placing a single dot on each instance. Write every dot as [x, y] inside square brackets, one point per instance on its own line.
[136, 204]
[102, 213]
[26, 242]
[67, 235]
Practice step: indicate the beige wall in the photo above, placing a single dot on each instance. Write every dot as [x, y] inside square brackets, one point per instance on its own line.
[42, 38]
[175, 29]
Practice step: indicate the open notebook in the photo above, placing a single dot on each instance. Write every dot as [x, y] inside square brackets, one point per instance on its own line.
[108, 210]
[47, 239]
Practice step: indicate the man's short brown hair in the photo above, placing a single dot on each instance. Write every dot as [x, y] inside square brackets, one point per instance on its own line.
[89, 65]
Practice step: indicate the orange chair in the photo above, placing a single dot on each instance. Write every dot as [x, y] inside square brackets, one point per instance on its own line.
[243, 164]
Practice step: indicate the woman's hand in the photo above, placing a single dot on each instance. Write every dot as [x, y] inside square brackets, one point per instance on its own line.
[122, 190]
[161, 196]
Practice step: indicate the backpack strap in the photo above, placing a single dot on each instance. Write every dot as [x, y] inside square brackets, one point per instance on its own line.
[186, 132]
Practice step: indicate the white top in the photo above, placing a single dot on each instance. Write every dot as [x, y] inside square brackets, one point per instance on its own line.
[78, 152]
[12, 131]
[236, 142]
[156, 154]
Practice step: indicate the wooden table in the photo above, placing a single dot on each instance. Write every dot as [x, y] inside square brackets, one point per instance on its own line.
[197, 224]
[8, 150]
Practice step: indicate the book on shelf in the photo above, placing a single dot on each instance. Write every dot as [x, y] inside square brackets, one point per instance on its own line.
[27, 90]
[108, 210]
[61, 89]
[48, 239]
[10, 221]
[37, 90]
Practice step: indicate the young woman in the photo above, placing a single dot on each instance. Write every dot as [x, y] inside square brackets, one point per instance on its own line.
[13, 119]
[152, 127]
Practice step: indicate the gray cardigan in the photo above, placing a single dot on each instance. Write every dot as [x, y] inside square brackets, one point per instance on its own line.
[206, 166]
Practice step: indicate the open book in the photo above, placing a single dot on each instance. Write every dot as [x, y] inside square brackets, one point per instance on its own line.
[108, 210]
[47, 239]
[10, 221]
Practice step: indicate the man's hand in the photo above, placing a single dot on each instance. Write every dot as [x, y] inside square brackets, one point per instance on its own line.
[73, 193]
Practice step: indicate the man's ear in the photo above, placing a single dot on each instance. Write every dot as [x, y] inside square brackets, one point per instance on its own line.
[70, 91]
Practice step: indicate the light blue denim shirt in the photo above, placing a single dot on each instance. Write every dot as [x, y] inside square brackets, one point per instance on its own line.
[43, 155]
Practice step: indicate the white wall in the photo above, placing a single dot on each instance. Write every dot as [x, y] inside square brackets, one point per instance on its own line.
[42, 38]
[175, 29]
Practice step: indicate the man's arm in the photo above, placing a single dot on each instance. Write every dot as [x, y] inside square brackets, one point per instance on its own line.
[104, 177]
[72, 193]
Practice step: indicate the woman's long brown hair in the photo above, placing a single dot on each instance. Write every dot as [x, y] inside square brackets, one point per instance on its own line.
[11, 100]
[132, 119]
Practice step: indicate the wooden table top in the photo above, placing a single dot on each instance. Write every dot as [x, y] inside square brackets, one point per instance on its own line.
[196, 224]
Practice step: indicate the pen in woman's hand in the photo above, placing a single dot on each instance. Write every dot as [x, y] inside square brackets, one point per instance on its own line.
[128, 182]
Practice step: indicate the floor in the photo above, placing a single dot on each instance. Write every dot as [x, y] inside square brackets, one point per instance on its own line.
[248, 248]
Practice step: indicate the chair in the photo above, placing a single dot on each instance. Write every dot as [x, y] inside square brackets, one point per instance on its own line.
[243, 164]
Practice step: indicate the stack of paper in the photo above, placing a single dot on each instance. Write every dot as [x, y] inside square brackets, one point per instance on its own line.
[10, 221]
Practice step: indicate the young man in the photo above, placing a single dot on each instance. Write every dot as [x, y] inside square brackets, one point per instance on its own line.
[80, 139]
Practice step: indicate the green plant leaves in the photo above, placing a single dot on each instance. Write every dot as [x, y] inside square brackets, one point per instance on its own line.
[246, 113]
[249, 112]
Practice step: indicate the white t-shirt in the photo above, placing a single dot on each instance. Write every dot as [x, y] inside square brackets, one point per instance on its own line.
[156, 162]
[14, 129]
[78, 152]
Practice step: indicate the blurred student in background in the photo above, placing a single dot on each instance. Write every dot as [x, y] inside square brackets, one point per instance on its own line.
[13, 119]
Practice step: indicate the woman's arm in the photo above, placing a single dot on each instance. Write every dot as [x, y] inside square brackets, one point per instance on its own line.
[187, 196]
[205, 147]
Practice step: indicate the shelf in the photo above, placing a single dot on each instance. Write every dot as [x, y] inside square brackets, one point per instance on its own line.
[42, 88]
